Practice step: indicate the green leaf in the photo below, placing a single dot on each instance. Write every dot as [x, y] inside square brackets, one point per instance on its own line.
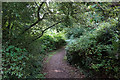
[17, 49]
[9, 48]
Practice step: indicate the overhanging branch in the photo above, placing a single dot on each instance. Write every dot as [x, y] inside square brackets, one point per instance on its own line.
[44, 31]
[38, 16]
[38, 20]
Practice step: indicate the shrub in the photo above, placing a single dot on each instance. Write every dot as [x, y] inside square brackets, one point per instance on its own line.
[74, 32]
[59, 41]
[14, 62]
[47, 42]
[18, 62]
[95, 53]
[52, 42]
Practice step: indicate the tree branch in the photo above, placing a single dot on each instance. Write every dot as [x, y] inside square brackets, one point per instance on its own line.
[36, 3]
[39, 19]
[38, 16]
[44, 31]
[49, 9]
[100, 6]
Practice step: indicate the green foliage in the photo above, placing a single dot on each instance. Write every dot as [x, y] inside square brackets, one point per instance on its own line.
[74, 32]
[14, 62]
[18, 63]
[95, 52]
[20, 29]
[38, 50]
[14, 18]
[47, 43]
[59, 41]
[34, 70]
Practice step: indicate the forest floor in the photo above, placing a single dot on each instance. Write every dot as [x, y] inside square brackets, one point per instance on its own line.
[56, 66]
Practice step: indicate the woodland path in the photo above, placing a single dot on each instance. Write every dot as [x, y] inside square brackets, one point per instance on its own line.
[57, 67]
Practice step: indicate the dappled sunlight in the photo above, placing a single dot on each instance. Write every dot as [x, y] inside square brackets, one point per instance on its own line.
[57, 71]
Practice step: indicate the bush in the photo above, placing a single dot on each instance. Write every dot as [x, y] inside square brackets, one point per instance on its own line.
[47, 42]
[59, 41]
[14, 62]
[50, 43]
[94, 52]
[104, 35]
[17, 63]
[74, 32]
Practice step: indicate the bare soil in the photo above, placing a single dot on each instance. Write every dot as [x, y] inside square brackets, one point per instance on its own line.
[57, 67]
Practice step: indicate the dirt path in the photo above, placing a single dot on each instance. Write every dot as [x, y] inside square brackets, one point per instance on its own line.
[57, 67]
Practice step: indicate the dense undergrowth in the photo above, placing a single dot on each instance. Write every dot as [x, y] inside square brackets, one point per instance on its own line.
[28, 62]
[92, 31]
[97, 52]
